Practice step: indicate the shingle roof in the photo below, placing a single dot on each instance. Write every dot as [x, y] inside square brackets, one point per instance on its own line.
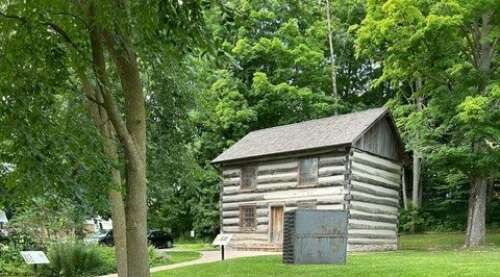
[318, 133]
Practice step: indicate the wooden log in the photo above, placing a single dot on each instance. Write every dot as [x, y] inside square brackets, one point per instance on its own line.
[229, 173]
[331, 170]
[354, 226]
[375, 180]
[371, 247]
[368, 198]
[330, 207]
[277, 178]
[367, 224]
[374, 208]
[229, 182]
[376, 172]
[261, 229]
[326, 198]
[236, 221]
[332, 161]
[287, 194]
[277, 187]
[236, 213]
[288, 165]
[236, 206]
[337, 180]
[373, 217]
[242, 198]
[372, 236]
[356, 241]
[319, 202]
[374, 190]
[277, 170]
[376, 162]
[391, 233]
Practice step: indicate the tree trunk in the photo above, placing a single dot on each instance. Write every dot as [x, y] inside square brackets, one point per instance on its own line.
[403, 189]
[416, 180]
[417, 157]
[130, 128]
[136, 208]
[484, 51]
[476, 219]
[332, 55]
[115, 198]
[117, 207]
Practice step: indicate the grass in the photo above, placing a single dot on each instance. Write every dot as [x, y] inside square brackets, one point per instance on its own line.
[194, 245]
[399, 263]
[443, 241]
[431, 254]
[181, 256]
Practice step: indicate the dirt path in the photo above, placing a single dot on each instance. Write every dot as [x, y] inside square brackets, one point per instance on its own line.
[207, 257]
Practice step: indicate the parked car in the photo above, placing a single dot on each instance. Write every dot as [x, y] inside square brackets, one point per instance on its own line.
[107, 239]
[156, 238]
[96, 237]
[160, 239]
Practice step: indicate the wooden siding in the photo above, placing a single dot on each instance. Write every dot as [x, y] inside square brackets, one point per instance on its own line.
[380, 139]
[374, 184]
[277, 185]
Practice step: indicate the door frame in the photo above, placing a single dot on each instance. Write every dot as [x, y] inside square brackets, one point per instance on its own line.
[270, 217]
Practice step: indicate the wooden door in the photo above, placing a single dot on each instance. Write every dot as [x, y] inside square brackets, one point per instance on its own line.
[277, 224]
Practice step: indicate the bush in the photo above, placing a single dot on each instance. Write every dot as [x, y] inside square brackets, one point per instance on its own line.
[73, 259]
[412, 220]
[11, 263]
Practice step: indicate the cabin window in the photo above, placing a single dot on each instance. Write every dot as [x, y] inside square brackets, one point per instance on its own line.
[308, 171]
[248, 174]
[248, 217]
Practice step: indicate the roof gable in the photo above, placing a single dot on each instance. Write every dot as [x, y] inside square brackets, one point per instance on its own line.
[313, 134]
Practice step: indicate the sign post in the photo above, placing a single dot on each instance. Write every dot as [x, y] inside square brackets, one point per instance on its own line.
[222, 240]
[34, 258]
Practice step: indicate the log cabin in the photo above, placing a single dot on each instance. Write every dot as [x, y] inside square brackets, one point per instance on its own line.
[350, 162]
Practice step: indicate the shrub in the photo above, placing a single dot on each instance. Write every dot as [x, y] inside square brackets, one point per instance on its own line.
[11, 263]
[412, 220]
[73, 259]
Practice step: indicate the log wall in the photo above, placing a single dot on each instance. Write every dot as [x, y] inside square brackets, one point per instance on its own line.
[373, 202]
[365, 184]
[277, 184]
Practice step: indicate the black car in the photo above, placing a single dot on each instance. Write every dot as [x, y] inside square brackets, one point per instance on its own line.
[160, 239]
[105, 238]
[156, 238]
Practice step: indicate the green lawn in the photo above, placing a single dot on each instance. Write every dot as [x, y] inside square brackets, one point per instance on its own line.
[400, 263]
[433, 254]
[194, 245]
[182, 256]
[443, 241]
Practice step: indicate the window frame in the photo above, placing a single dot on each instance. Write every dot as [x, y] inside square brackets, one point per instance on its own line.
[301, 180]
[243, 216]
[253, 179]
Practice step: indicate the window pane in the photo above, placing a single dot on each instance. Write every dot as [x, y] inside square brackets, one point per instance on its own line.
[309, 171]
[247, 216]
[248, 177]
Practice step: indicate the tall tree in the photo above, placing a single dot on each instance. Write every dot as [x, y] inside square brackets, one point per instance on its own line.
[91, 35]
[452, 46]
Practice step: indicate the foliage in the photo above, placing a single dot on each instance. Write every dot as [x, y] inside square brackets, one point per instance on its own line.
[440, 57]
[73, 259]
[11, 262]
[411, 220]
